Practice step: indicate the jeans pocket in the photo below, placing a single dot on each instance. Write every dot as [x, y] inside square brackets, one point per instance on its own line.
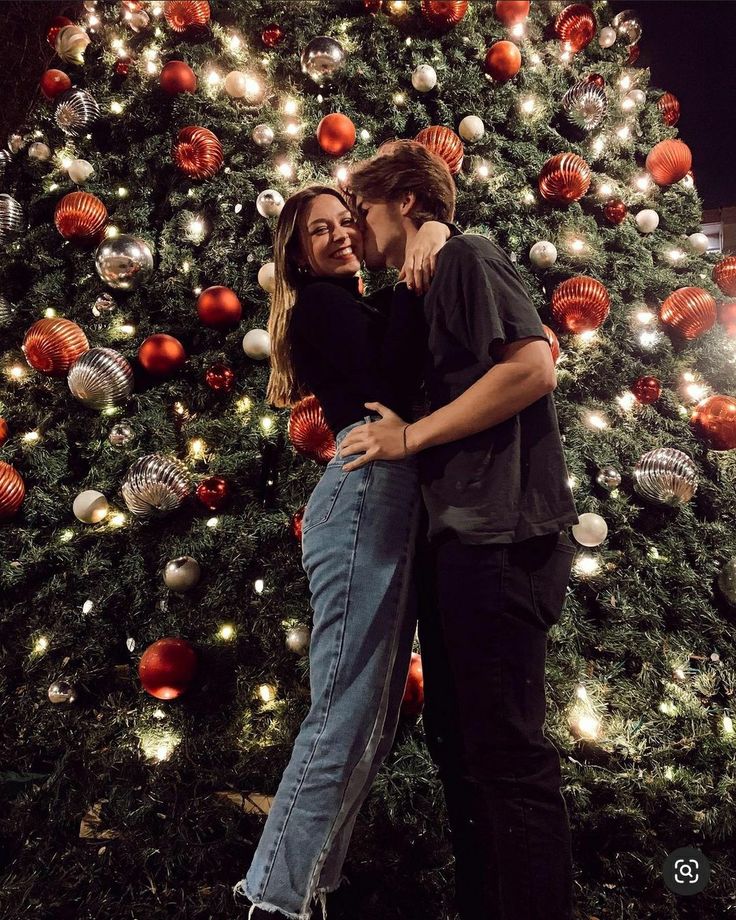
[324, 497]
[550, 580]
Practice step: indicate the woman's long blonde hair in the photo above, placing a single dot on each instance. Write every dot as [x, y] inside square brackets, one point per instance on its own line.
[283, 387]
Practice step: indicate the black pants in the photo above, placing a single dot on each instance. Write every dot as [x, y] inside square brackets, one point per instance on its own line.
[484, 616]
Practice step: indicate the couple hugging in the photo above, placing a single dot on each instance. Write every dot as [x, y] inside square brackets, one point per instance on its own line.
[445, 507]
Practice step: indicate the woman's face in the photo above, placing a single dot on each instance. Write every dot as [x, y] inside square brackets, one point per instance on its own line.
[331, 241]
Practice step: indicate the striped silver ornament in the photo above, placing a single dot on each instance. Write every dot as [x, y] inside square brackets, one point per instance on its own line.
[6, 311]
[101, 377]
[76, 111]
[585, 105]
[12, 219]
[156, 483]
[666, 475]
[4, 162]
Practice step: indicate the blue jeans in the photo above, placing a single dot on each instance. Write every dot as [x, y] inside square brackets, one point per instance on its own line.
[358, 537]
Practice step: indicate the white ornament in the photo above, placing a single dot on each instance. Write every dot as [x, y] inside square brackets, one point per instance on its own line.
[637, 96]
[699, 242]
[267, 277]
[39, 151]
[269, 203]
[90, 507]
[471, 128]
[424, 78]
[236, 84]
[606, 37]
[591, 529]
[80, 170]
[647, 220]
[257, 344]
[543, 254]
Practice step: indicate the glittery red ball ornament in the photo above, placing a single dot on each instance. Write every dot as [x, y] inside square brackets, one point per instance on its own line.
[54, 82]
[714, 421]
[162, 355]
[724, 275]
[443, 14]
[296, 524]
[56, 25]
[167, 668]
[53, 344]
[336, 134]
[3, 431]
[214, 492]
[669, 105]
[187, 15]
[575, 26]
[413, 701]
[580, 304]
[122, 66]
[12, 491]
[502, 61]
[309, 432]
[564, 178]
[220, 378]
[615, 210]
[647, 390]
[177, 77]
[511, 12]
[445, 143]
[272, 35]
[198, 152]
[595, 79]
[727, 316]
[690, 311]
[81, 217]
[554, 343]
[219, 307]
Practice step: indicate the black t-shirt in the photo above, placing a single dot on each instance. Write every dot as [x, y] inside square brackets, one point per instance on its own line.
[349, 350]
[509, 482]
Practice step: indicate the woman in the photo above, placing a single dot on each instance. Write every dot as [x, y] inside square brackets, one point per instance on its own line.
[358, 534]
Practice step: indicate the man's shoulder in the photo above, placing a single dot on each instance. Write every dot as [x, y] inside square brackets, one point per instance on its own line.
[468, 246]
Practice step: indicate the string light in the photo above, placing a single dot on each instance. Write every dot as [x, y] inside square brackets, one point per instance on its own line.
[365, 135]
[292, 128]
[727, 725]
[212, 522]
[197, 229]
[16, 372]
[399, 98]
[213, 77]
[596, 421]
[31, 437]
[625, 82]
[586, 565]
[286, 169]
[127, 329]
[117, 519]
[290, 107]
[482, 170]
[226, 632]
[266, 423]
[605, 190]
[675, 255]
[577, 245]
[198, 449]
[234, 42]
[642, 182]
[341, 173]
[258, 586]
[587, 337]
[244, 404]
[116, 107]
[518, 30]
[87, 607]
[572, 481]
[111, 231]
[599, 144]
[528, 105]
[267, 692]
[624, 132]
[626, 400]
[668, 708]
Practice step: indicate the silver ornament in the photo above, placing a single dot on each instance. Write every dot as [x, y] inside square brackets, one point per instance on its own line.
[39, 151]
[105, 303]
[257, 344]
[182, 573]
[121, 434]
[4, 161]
[628, 26]
[100, 378]
[138, 20]
[322, 58]
[76, 111]
[727, 581]
[61, 691]
[263, 135]
[12, 219]
[666, 475]
[269, 203]
[424, 78]
[19, 140]
[543, 254]
[156, 483]
[606, 37]
[585, 105]
[6, 311]
[608, 478]
[297, 639]
[124, 262]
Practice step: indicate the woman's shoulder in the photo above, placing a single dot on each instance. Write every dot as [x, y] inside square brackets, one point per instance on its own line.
[323, 295]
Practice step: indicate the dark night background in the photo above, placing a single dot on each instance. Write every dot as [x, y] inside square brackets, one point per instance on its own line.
[688, 45]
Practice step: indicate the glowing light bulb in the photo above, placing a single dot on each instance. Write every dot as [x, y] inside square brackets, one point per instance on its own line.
[42, 643]
[528, 105]
[258, 586]
[728, 725]
[399, 98]
[588, 726]
[518, 30]
[290, 107]
[117, 519]
[286, 170]
[572, 481]
[605, 190]
[213, 77]
[234, 42]
[341, 174]
[266, 423]
[581, 693]
[642, 182]
[577, 245]
[115, 107]
[31, 437]
[586, 565]
[87, 606]
[624, 132]
[625, 82]
[626, 400]
[267, 693]
[227, 631]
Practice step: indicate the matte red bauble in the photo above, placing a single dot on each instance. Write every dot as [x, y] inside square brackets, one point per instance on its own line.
[580, 304]
[197, 152]
[296, 524]
[12, 491]
[554, 343]
[564, 178]
[691, 311]
[214, 492]
[413, 701]
[575, 26]
[336, 134]
[724, 275]
[81, 217]
[162, 355]
[220, 378]
[503, 60]
[52, 345]
[669, 161]
[511, 12]
[714, 421]
[443, 14]
[445, 143]
[272, 35]
[309, 432]
[177, 77]
[615, 210]
[669, 106]
[219, 307]
[647, 390]
[54, 82]
[56, 25]
[167, 668]
[186, 15]
[634, 52]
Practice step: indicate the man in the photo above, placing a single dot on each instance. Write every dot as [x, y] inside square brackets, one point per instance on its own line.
[495, 568]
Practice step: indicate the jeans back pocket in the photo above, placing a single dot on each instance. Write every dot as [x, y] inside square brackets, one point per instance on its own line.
[324, 497]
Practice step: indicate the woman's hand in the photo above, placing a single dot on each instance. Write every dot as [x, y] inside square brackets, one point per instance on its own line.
[382, 440]
[420, 259]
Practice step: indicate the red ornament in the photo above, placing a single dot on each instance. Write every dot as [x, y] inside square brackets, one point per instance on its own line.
[595, 79]
[714, 421]
[3, 431]
[219, 307]
[413, 700]
[56, 25]
[445, 143]
[198, 152]
[511, 12]
[647, 390]
[167, 668]
[691, 311]
[554, 343]
[503, 61]
[669, 106]
[634, 51]
[122, 66]
[580, 304]
[296, 524]
[336, 134]
[162, 355]
[669, 161]
[575, 26]
[443, 14]
[727, 316]
[51, 346]
[12, 491]
[81, 217]
[219, 378]
[309, 432]
[564, 178]
[177, 77]
[372, 6]
[214, 492]
[187, 15]
[54, 82]
[724, 275]
[272, 35]
[615, 210]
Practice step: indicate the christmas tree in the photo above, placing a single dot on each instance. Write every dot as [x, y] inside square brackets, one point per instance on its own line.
[155, 617]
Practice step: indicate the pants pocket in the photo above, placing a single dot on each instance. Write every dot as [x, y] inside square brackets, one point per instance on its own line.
[324, 497]
[536, 577]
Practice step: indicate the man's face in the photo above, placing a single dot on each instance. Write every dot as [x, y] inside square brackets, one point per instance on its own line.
[383, 234]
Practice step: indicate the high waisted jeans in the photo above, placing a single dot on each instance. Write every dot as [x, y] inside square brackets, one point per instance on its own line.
[358, 538]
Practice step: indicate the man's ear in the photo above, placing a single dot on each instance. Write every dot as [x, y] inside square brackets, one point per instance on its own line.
[408, 200]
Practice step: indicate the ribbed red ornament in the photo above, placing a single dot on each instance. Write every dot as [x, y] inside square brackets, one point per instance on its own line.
[167, 668]
[575, 26]
[214, 492]
[183, 15]
[564, 178]
[3, 431]
[445, 143]
[162, 355]
[615, 210]
[198, 152]
[272, 35]
[580, 304]
[336, 134]
[669, 161]
[52, 345]
[502, 61]
[724, 275]
[554, 343]
[511, 12]
[714, 421]
[443, 14]
[296, 524]
[669, 106]
[80, 216]
[647, 390]
[691, 311]
[12, 491]
[309, 432]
